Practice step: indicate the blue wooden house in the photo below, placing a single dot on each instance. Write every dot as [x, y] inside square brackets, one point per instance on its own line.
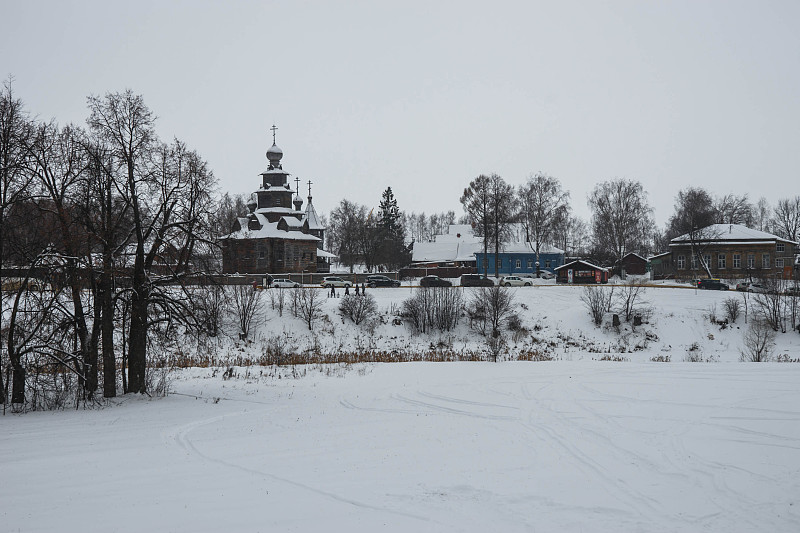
[519, 259]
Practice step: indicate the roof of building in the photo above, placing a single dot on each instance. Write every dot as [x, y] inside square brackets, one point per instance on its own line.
[314, 222]
[520, 247]
[635, 255]
[729, 234]
[269, 230]
[445, 251]
[582, 262]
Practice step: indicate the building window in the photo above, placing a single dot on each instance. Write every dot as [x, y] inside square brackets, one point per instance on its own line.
[485, 263]
[547, 264]
[765, 262]
[519, 263]
[781, 247]
[261, 254]
[721, 261]
[778, 263]
[499, 263]
[707, 260]
[530, 263]
[694, 262]
[681, 262]
[751, 260]
[737, 260]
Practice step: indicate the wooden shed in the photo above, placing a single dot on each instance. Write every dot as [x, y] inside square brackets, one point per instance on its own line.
[633, 264]
[581, 272]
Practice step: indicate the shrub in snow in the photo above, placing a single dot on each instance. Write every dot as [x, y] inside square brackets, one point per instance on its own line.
[358, 307]
[489, 307]
[308, 304]
[245, 302]
[758, 342]
[433, 308]
[597, 301]
[733, 308]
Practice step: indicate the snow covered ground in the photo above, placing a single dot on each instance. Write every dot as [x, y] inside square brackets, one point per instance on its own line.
[575, 444]
[558, 446]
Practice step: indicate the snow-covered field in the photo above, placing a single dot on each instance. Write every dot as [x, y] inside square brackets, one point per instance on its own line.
[575, 444]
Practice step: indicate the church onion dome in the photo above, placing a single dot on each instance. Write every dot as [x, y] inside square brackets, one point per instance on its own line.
[274, 154]
[252, 203]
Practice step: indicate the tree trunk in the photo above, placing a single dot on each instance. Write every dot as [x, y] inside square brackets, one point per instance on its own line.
[107, 331]
[18, 381]
[137, 337]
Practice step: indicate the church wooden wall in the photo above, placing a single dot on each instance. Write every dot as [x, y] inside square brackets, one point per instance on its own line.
[274, 256]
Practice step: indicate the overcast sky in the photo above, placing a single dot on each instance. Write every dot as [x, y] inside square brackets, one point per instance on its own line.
[424, 96]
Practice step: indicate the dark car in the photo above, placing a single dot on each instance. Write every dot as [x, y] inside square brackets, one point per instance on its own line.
[434, 281]
[381, 281]
[712, 285]
[476, 280]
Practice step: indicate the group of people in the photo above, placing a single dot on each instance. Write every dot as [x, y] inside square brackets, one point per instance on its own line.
[363, 290]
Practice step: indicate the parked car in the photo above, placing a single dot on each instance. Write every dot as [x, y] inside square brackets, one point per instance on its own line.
[434, 281]
[476, 280]
[712, 284]
[284, 283]
[792, 291]
[333, 281]
[742, 286]
[381, 281]
[757, 287]
[546, 274]
[515, 281]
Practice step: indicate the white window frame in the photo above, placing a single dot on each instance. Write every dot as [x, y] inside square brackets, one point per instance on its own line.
[778, 262]
[518, 263]
[681, 262]
[737, 260]
[751, 260]
[722, 261]
[766, 261]
[781, 247]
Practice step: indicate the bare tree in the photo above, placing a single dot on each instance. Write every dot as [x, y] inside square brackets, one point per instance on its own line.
[621, 218]
[477, 202]
[630, 297]
[693, 222]
[758, 342]
[309, 305]
[786, 218]
[245, 301]
[761, 215]
[544, 206]
[15, 132]
[597, 301]
[733, 209]
[167, 188]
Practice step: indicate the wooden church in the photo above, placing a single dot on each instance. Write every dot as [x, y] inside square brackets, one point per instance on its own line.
[277, 236]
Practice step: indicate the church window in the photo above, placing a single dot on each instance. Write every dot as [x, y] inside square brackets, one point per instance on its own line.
[519, 263]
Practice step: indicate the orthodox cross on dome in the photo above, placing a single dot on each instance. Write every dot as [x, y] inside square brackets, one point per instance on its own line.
[309, 188]
[297, 186]
[274, 129]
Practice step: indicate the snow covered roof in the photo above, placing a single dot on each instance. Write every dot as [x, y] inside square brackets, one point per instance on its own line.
[582, 262]
[293, 222]
[276, 210]
[269, 230]
[311, 215]
[730, 234]
[325, 253]
[635, 255]
[445, 251]
[658, 256]
[518, 247]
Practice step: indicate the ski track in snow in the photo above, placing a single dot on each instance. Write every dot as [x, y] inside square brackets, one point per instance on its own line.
[181, 438]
